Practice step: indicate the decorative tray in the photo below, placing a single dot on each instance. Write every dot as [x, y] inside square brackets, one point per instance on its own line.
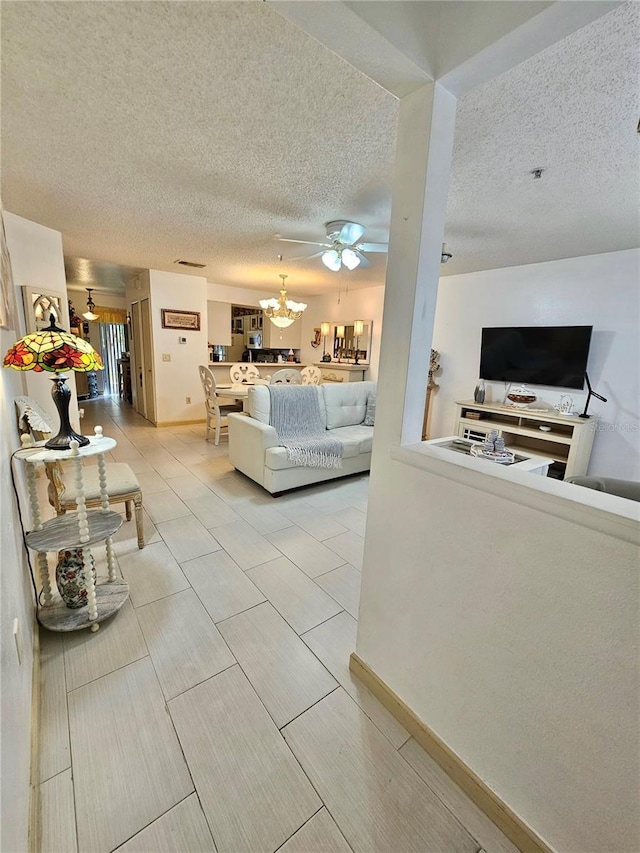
[506, 457]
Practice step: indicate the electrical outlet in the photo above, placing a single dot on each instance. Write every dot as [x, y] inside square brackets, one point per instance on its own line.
[188, 399]
[166, 356]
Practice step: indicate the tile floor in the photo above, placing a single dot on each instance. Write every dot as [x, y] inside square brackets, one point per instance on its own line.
[216, 711]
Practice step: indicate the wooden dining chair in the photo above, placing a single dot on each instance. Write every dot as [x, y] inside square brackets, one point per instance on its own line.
[214, 407]
[243, 372]
[286, 376]
[311, 375]
[122, 483]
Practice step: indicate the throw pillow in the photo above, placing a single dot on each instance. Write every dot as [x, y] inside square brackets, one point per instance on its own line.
[370, 414]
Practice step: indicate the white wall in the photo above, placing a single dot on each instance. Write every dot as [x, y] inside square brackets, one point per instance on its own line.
[37, 262]
[178, 379]
[241, 295]
[512, 632]
[598, 290]
[364, 304]
[16, 601]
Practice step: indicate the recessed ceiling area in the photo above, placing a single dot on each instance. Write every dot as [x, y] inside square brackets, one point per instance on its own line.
[150, 132]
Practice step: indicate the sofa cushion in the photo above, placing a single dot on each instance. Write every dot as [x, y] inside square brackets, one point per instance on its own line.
[370, 416]
[259, 404]
[346, 404]
[276, 459]
[357, 432]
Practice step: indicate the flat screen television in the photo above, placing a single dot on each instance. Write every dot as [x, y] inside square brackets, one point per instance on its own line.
[538, 355]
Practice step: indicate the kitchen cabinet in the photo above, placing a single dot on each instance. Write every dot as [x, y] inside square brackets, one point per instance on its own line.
[274, 338]
[219, 323]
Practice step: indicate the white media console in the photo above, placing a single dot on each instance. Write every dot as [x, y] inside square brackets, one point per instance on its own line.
[567, 440]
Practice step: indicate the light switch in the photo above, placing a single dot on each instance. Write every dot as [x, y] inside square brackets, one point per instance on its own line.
[182, 340]
[166, 356]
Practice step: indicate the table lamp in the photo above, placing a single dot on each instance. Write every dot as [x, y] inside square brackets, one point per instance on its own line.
[325, 328]
[55, 351]
[340, 337]
[358, 331]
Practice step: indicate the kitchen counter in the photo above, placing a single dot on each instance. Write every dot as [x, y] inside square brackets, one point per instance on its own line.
[275, 365]
[343, 365]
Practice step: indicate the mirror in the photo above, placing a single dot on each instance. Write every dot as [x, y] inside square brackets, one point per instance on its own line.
[349, 347]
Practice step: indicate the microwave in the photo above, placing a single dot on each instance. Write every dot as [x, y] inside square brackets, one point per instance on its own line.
[253, 340]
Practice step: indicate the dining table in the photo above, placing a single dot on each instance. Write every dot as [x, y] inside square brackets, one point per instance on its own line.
[236, 391]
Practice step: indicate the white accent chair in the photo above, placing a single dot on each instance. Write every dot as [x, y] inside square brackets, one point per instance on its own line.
[311, 375]
[286, 376]
[243, 372]
[212, 404]
[123, 486]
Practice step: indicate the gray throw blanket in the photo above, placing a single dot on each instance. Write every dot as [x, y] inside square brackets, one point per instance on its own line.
[296, 418]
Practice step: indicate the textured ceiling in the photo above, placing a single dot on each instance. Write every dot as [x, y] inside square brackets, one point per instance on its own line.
[573, 110]
[147, 132]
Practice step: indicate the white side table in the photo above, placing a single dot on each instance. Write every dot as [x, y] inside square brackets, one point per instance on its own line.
[79, 529]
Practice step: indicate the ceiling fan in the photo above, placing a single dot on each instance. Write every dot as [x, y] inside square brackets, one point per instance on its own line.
[342, 246]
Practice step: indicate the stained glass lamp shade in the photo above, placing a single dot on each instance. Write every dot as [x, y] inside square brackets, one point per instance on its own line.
[53, 350]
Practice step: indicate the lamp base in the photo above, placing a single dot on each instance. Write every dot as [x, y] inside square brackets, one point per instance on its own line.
[62, 397]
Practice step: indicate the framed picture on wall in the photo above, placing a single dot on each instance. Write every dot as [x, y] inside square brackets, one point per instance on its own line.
[172, 319]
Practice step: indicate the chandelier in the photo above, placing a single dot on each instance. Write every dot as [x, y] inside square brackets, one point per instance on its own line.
[89, 314]
[282, 311]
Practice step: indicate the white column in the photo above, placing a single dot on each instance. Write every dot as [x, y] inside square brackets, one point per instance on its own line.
[423, 162]
[421, 182]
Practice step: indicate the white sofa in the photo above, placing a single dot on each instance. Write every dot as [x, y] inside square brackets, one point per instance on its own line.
[254, 448]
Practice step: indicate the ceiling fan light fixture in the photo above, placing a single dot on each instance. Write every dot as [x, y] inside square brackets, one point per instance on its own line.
[282, 311]
[90, 314]
[350, 259]
[331, 260]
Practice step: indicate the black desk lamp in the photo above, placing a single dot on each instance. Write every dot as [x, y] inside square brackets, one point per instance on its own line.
[591, 394]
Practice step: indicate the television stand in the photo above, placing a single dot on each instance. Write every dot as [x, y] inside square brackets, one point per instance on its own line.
[567, 440]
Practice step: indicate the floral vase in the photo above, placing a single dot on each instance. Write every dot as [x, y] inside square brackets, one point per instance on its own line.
[70, 577]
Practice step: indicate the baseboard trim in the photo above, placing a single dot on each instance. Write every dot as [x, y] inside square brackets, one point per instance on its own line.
[524, 838]
[179, 423]
[34, 792]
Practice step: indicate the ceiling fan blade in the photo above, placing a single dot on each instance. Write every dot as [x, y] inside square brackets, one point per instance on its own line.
[373, 247]
[364, 263]
[350, 233]
[306, 242]
[305, 257]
